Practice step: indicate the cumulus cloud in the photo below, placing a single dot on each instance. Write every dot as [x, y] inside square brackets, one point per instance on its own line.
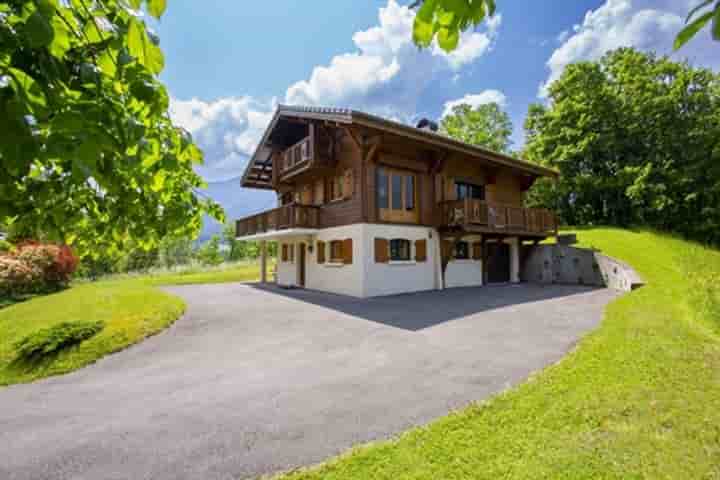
[486, 96]
[649, 25]
[227, 130]
[388, 73]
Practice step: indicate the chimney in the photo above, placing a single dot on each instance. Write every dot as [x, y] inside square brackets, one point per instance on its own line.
[425, 124]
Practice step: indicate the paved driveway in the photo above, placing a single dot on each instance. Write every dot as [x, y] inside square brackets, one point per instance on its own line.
[254, 380]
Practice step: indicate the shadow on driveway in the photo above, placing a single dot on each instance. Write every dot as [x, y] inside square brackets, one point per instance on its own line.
[416, 311]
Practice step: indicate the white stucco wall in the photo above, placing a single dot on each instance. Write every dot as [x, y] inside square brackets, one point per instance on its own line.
[332, 277]
[465, 272]
[399, 277]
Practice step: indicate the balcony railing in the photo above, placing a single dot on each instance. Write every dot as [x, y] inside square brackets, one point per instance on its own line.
[297, 156]
[282, 218]
[498, 217]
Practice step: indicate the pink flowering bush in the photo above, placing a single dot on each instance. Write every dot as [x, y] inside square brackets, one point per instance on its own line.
[34, 267]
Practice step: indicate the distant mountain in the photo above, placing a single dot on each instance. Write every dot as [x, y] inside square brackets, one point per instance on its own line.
[238, 202]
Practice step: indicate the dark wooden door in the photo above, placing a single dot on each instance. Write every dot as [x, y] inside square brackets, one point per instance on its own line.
[498, 262]
[301, 265]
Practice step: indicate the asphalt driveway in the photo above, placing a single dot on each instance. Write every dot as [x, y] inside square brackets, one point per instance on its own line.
[254, 380]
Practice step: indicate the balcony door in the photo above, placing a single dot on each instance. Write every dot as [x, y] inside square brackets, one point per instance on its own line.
[396, 195]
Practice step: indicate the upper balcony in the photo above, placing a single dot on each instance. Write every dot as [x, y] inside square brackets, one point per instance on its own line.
[487, 217]
[291, 216]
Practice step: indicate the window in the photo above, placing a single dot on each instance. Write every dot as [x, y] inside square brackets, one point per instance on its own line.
[396, 195]
[396, 189]
[468, 190]
[336, 251]
[399, 250]
[319, 192]
[409, 192]
[336, 188]
[461, 251]
[382, 189]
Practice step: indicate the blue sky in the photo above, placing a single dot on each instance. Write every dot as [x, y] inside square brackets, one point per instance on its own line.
[229, 63]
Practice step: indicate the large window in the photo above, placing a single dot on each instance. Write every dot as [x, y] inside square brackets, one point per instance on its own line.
[399, 249]
[396, 195]
[468, 190]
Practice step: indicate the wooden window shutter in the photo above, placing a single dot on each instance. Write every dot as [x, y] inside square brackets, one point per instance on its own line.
[347, 251]
[450, 193]
[477, 251]
[320, 252]
[382, 253]
[349, 180]
[420, 250]
[284, 256]
[447, 248]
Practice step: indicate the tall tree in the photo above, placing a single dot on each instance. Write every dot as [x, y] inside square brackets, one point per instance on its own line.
[636, 139]
[486, 125]
[88, 153]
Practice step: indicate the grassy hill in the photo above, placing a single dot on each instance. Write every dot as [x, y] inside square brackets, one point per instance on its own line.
[638, 398]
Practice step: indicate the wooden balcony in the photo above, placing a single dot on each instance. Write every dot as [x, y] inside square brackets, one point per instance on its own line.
[484, 217]
[282, 218]
[297, 157]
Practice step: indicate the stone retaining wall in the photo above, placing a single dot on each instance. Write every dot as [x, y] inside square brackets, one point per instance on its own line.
[577, 266]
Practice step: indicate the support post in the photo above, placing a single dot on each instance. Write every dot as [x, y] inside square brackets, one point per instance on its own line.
[263, 261]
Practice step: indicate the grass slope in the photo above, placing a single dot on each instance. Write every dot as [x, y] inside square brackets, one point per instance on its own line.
[639, 398]
[132, 309]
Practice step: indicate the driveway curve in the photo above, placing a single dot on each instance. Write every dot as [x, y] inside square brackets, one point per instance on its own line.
[255, 379]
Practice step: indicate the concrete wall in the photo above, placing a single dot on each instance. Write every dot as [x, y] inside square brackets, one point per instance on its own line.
[578, 266]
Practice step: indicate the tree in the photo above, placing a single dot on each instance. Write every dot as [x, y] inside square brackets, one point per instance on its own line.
[209, 252]
[88, 152]
[486, 125]
[636, 139]
[698, 17]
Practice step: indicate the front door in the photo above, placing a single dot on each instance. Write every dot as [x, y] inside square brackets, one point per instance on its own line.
[301, 265]
[498, 262]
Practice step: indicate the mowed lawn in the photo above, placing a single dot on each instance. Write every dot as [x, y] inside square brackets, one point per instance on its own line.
[638, 398]
[132, 309]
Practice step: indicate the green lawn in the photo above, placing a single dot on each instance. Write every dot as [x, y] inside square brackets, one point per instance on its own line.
[638, 398]
[132, 309]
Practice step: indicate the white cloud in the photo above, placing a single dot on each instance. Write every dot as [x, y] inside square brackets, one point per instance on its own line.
[487, 96]
[388, 73]
[649, 25]
[227, 130]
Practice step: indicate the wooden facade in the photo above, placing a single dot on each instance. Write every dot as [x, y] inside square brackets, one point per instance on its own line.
[330, 173]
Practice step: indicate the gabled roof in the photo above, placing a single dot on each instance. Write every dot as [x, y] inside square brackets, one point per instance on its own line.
[259, 165]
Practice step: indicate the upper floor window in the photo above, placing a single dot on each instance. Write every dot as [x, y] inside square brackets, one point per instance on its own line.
[396, 195]
[399, 249]
[465, 190]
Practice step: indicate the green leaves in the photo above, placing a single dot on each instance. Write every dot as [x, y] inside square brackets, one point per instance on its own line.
[39, 30]
[445, 20]
[88, 151]
[145, 51]
[156, 7]
[693, 27]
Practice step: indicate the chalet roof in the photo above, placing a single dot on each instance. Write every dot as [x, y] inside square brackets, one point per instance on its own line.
[261, 158]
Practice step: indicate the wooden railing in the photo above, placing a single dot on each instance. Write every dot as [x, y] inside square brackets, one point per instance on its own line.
[297, 155]
[493, 216]
[287, 216]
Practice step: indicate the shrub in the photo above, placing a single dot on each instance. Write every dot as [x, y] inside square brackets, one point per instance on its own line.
[18, 277]
[5, 246]
[55, 262]
[50, 341]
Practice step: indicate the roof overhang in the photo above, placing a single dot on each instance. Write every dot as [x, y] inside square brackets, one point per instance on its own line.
[259, 168]
[278, 234]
